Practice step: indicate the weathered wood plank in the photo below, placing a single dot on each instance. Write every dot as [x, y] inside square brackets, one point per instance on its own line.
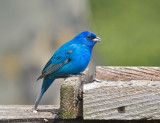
[69, 103]
[27, 113]
[127, 73]
[122, 100]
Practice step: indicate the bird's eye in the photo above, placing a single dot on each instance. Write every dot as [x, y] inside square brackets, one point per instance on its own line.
[89, 37]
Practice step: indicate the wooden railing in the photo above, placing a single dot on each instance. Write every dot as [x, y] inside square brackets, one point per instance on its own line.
[120, 93]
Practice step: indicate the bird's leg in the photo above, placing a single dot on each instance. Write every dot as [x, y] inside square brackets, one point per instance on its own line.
[82, 77]
[75, 75]
[81, 74]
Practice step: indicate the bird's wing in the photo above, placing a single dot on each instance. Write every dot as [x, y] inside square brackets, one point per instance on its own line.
[57, 61]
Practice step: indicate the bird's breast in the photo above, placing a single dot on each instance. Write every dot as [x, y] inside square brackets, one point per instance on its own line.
[80, 60]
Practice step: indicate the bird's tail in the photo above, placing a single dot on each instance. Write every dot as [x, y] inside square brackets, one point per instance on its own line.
[47, 81]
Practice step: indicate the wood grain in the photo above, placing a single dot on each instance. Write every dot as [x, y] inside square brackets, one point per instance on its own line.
[121, 100]
[69, 103]
[128, 73]
[26, 113]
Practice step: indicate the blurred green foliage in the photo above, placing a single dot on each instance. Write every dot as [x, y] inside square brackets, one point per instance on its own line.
[130, 30]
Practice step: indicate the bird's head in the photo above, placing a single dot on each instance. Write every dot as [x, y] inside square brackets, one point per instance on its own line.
[88, 38]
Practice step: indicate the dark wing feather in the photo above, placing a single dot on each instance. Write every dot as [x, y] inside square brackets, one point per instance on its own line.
[60, 58]
[50, 67]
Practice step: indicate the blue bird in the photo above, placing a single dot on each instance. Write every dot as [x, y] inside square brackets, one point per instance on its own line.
[70, 59]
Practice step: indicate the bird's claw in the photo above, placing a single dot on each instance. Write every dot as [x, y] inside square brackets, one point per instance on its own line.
[97, 80]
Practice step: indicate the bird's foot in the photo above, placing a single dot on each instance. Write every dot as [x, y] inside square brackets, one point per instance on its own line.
[97, 80]
[82, 77]
[81, 74]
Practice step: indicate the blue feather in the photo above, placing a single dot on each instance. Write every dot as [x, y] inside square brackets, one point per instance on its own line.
[47, 81]
[71, 58]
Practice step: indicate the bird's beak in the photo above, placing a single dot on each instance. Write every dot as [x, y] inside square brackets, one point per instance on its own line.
[97, 39]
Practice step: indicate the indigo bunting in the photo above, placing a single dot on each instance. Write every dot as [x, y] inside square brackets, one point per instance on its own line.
[70, 59]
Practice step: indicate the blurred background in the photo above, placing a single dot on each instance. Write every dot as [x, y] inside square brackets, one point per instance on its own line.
[31, 31]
